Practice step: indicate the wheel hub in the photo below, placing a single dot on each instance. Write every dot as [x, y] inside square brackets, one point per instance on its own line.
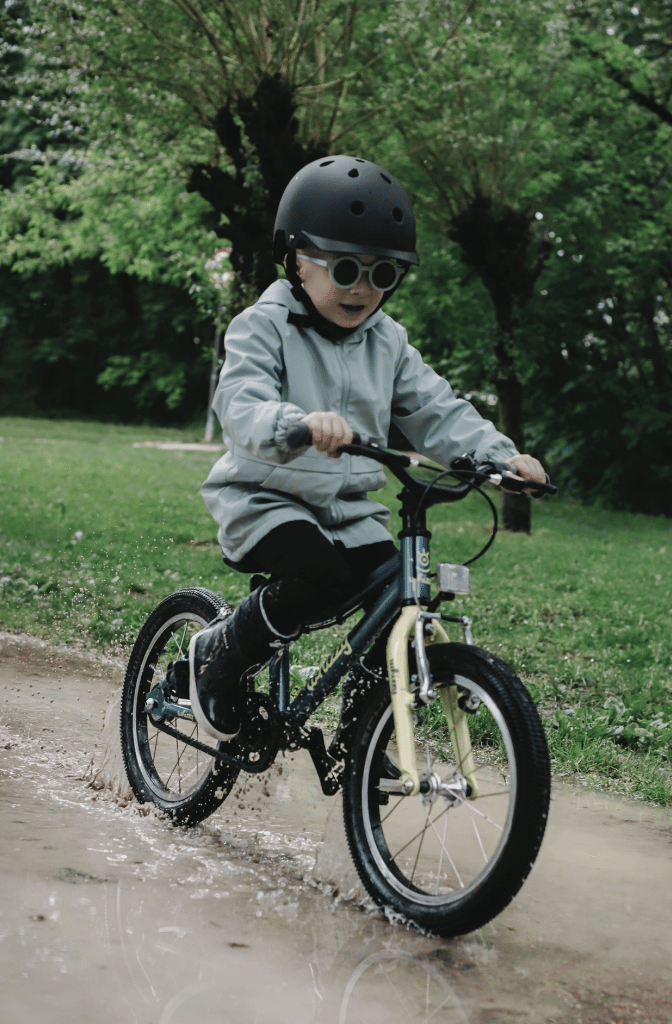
[453, 789]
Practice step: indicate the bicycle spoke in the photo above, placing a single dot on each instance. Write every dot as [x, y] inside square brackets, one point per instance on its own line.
[178, 763]
[417, 856]
[413, 838]
[392, 809]
[399, 996]
[478, 837]
[432, 823]
[487, 796]
[475, 810]
[180, 642]
[443, 846]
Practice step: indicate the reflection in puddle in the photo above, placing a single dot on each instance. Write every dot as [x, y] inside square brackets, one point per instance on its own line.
[112, 914]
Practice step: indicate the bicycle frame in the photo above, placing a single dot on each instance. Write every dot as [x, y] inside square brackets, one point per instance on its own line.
[402, 600]
[402, 590]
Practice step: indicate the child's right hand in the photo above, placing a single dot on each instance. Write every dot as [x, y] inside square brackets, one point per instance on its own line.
[329, 431]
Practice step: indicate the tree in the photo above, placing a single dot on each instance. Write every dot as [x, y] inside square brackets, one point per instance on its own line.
[603, 337]
[630, 44]
[258, 89]
[477, 122]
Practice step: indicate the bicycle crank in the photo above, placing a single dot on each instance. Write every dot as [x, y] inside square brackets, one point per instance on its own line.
[253, 750]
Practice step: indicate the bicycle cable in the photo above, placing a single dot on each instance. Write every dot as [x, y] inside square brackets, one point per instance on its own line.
[458, 474]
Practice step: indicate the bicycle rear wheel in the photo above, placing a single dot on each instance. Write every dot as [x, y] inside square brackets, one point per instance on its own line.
[452, 859]
[181, 781]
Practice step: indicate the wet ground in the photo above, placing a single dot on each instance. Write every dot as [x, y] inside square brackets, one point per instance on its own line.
[112, 915]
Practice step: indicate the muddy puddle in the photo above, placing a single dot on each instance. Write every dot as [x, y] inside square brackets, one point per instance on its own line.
[256, 916]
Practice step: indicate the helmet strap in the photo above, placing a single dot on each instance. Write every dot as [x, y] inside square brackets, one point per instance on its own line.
[313, 318]
[327, 328]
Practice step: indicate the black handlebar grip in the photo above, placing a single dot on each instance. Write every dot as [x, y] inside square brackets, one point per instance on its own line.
[539, 489]
[542, 489]
[300, 435]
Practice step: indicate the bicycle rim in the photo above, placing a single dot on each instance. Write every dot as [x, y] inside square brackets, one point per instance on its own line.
[437, 853]
[172, 769]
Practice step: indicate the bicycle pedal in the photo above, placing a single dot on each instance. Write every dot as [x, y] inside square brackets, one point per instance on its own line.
[329, 770]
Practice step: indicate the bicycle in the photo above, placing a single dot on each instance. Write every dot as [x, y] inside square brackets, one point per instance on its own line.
[446, 846]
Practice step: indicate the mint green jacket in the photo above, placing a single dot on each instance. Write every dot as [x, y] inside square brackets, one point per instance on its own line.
[274, 374]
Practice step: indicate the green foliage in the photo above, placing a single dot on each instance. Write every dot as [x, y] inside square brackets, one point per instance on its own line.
[554, 117]
[524, 112]
[75, 339]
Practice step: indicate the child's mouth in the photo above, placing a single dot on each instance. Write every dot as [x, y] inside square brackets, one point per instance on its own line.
[352, 309]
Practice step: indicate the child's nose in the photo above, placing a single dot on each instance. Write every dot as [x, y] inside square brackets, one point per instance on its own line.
[363, 285]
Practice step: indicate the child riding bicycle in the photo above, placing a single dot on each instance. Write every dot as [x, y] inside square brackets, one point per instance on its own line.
[317, 348]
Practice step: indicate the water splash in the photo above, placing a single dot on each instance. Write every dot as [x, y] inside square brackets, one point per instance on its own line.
[106, 769]
[333, 863]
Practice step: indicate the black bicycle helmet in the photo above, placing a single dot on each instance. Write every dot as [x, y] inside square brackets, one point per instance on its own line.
[345, 204]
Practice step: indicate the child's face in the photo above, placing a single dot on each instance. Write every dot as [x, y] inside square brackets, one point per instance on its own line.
[347, 307]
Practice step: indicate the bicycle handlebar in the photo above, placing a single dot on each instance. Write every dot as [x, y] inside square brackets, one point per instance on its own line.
[300, 436]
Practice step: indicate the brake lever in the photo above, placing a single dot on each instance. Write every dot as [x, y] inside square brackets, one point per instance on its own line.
[497, 473]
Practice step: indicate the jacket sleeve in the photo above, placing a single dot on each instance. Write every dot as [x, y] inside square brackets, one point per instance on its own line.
[248, 397]
[438, 424]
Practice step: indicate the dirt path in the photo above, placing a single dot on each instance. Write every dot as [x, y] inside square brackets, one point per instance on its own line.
[111, 915]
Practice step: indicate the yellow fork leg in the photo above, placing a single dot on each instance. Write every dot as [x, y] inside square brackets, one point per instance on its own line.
[402, 698]
[456, 720]
[458, 730]
[402, 704]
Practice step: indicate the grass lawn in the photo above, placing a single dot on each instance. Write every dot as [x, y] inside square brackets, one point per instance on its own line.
[95, 530]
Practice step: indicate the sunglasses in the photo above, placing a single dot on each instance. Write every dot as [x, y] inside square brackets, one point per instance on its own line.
[346, 272]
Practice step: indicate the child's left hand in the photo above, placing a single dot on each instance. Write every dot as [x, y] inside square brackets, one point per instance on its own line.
[527, 468]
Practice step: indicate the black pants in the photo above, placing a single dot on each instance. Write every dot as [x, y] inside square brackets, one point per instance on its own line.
[309, 574]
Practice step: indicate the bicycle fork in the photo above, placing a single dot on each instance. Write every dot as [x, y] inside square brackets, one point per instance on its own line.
[412, 623]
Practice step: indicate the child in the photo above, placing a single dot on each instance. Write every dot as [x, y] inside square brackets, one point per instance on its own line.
[319, 340]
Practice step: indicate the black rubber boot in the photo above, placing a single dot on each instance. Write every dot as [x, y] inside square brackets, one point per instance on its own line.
[219, 655]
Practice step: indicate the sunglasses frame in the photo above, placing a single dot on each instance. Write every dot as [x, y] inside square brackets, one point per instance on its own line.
[363, 269]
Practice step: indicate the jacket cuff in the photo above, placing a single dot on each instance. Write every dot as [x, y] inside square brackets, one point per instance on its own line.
[284, 422]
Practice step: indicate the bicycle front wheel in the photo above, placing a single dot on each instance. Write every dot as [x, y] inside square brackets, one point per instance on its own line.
[452, 858]
[180, 780]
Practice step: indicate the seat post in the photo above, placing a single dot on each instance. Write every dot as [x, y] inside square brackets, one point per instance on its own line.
[278, 680]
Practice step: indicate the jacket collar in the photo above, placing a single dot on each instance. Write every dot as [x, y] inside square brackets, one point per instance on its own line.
[280, 294]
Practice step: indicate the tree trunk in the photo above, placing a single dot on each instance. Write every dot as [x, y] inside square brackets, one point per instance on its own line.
[516, 515]
[495, 239]
[259, 135]
[516, 510]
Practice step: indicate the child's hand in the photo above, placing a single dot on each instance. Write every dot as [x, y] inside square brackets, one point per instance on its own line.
[329, 430]
[527, 468]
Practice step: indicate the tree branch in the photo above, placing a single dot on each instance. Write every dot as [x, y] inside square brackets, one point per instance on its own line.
[644, 100]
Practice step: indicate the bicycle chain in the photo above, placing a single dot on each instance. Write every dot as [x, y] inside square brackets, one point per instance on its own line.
[255, 767]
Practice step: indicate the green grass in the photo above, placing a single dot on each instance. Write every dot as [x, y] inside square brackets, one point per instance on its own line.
[94, 531]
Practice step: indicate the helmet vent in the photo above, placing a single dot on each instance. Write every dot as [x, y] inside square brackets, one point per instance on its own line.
[357, 208]
[385, 178]
[326, 163]
[397, 214]
[354, 173]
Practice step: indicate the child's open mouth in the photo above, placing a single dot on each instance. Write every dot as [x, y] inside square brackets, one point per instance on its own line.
[351, 309]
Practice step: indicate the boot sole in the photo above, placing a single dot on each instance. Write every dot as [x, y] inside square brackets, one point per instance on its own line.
[201, 720]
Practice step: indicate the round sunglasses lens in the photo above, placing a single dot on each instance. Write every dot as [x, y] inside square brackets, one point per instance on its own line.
[346, 272]
[384, 276]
